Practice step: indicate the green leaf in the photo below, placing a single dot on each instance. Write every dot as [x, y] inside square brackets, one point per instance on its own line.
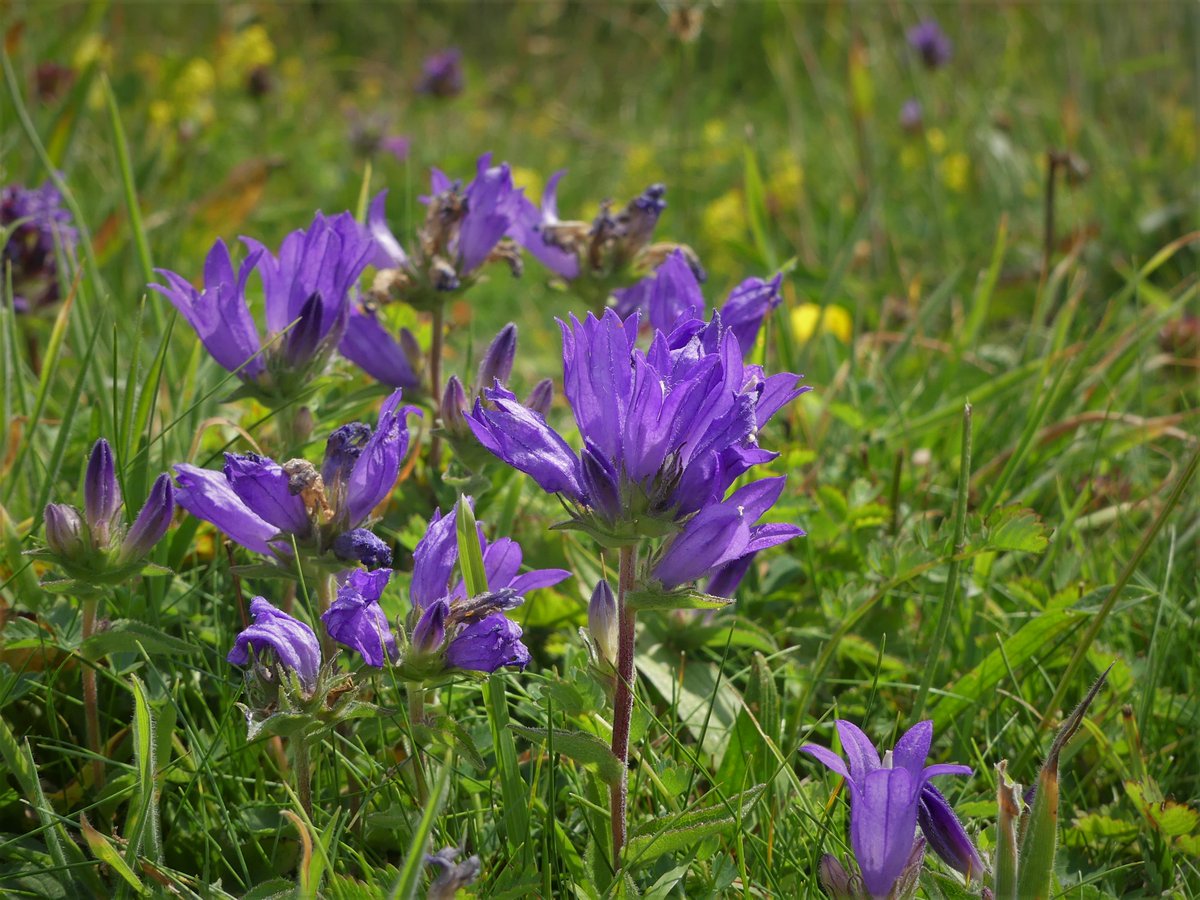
[470, 556]
[1013, 528]
[405, 885]
[142, 822]
[681, 832]
[1008, 795]
[127, 635]
[107, 854]
[659, 600]
[584, 748]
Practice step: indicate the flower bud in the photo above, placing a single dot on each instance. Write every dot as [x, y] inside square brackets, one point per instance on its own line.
[301, 341]
[541, 397]
[362, 545]
[946, 836]
[64, 530]
[412, 350]
[151, 522]
[430, 631]
[454, 401]
[602, 621]
[838, 883]
[497, 363]
[101, 493]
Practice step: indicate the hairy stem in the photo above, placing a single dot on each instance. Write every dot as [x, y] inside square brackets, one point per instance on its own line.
[302, 772]
[91, 707]
[416, 715]
[326, 591]
[623, 699]
[436, 343]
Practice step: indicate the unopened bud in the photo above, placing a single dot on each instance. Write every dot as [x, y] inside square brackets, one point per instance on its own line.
[101, 493]
[151, 522]
[497, 363]
[430, 631]
[454, 401]
[541, 397]
[64, 530]
[602, 621]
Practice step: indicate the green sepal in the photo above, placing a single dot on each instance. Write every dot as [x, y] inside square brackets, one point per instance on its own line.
[654, 597]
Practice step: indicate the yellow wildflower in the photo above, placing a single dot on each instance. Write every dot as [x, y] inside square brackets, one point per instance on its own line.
[809, 319]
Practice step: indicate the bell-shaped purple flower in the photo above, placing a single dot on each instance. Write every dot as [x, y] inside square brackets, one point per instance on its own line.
[487, 644]
[884, 798]
[748, 305]
[35, 226]
[151, 522]
[101, 493]
[930, 43]
[292, 643]
[669, 296]
[356, 620]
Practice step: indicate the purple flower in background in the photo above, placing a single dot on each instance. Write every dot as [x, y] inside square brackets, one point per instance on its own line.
[666, 431]
[911, 115]
[262, 505]
[292, 643]
[97, 544]
[471, 632]
[884, 798]
[724, 533]
[671, 296]
[35, 225]
[369, 136]
[442, 73]
[452, 875]
[930, 43]
[356, 620]
[307, 289]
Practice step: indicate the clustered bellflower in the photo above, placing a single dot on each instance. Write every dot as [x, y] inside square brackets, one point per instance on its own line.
[356, 620]
[442, 73]
[887, 799]
[464, 632]
[274, 636]
[464, 228]
[307, 288]
[35, 225]
[262, 505]
[930, 43]
[665, 431]
[97, 546]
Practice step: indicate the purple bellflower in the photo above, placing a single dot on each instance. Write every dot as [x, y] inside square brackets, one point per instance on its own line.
[671, 296]
[262, 505]
[372, 348]
[470, 632]
[442, 73]
[307, 289]
[356, 620]
[98, 545]
[35, 226]
[665, 431]
[464, 228]
[275, 634]
[885, 797]
[930, 43]
[610, 250]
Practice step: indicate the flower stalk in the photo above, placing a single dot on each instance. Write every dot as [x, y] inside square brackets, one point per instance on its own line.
[436, 346]
[623, 697]
[416, 717]
[302, 772]
[91, 708]
[326, 591]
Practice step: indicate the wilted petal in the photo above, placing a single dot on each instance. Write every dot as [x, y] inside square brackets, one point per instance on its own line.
[294, 644]
[356, 620]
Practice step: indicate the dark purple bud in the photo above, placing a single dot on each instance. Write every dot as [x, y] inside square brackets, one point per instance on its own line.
[101, 493]
[541, 397]
[430, 631]
[151, 522]
[304, 336]
[342, 450]
[362, 545]
[930, 43]
[651, 199]
[411, 349]
[947, 838]
[64, 530]
[292, 642]
[442, 73]
[356, 620]
[600, 483]
[497, 363]
[602, 621]
[488, 644]
[454, 404]
[838, 883]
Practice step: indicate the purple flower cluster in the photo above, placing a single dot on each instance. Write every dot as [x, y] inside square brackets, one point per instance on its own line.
[930, 43]
[263, 505]
[307, 289]
[442, 73]
[35, 225]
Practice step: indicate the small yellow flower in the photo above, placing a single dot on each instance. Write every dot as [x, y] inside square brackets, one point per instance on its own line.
[724, 219]
[93, 49]
[956, 172]
[530, 180]
[936, 139]
[809, 319]
[246, 51]
[787, 176]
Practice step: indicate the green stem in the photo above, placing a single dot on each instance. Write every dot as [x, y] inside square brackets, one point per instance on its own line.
[326, 591]
[91, 708]
[623, 699]
[302, 771]
[416, 716]
[436, 346]
[951, 591]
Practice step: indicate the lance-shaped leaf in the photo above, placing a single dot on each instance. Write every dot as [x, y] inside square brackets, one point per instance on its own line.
[659, 837]
[584, 748]
[1039, 824]
[1008, 798]
[655, 598]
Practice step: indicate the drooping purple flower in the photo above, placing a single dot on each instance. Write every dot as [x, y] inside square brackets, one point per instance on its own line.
[666, 431]
[356, 620]
[442, 73]
[930, 43]
[884, 797]
[472, 632]
[292, 643]
[35, 225]
[263, 505]
[307, 288]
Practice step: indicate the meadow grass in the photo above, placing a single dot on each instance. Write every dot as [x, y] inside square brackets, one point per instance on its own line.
[982, 583]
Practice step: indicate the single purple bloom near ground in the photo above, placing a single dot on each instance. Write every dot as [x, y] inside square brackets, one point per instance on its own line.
[292, 643]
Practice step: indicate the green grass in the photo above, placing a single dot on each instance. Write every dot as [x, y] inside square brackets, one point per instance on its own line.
[777, 133]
